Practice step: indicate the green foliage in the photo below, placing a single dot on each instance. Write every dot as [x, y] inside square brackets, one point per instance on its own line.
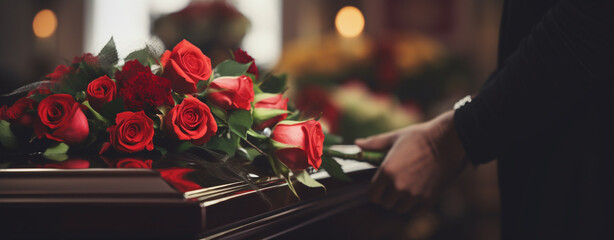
[7, 138]
[218, 112]
[274, 83]
[253, 133]
[305, 179]
[280, 169]
[112, 108]
[39, 97]
[145, 56]
[230, 68]
[57, 152]
[333, 168]
[107, 58]
[263, 114]
[161, 150]
[239, 122]
[183, 146]
[331, 139]
[95, 113]
[225, 142]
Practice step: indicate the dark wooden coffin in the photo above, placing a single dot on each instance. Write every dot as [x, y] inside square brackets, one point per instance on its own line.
[137, 203]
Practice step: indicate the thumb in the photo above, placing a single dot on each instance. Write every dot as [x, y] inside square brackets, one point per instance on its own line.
[377, 142]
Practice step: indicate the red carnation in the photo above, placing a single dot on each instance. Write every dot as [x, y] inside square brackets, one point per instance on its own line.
[3, 115]
[141, 89]
[241, 56]
[87, 58]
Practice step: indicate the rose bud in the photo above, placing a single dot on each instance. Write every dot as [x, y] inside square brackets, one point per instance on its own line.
[190, 120]
[133, 132]
[269, 109]
[232, 92]
[242, 57]
[100, 91]
[61, 119]
[133, 163]
[185, 66]
[176, 177]
[299, 144]
[19, 112]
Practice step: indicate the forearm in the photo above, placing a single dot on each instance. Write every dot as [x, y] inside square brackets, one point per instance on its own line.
[567, 56]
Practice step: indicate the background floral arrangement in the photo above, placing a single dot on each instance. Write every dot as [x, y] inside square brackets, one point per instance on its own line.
[166, 103]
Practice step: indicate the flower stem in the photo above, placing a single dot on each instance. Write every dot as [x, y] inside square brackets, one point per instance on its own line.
[374, 158]
[257, 149]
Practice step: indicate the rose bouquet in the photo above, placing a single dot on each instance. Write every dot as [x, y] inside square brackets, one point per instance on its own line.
[166, 103]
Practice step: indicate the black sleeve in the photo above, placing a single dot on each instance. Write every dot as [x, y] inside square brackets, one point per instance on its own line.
[566, 56]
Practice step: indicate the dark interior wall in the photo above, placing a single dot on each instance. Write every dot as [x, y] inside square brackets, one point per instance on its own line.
[26, 58]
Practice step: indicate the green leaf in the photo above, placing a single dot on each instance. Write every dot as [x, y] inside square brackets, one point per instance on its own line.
[333, 168]
[304, 178]
[7, 138]
[252, 153]
[227, 143]
[274, 84]
[162, 150]
[108, 55]
[278, 145]
[96, 114]
[230, 68]
[218, 112]
[263, 114]
[255, 134]
[183, 146]
[239, 122]
[112, 108]
[57, 152]
[145, 56]
[280, 169]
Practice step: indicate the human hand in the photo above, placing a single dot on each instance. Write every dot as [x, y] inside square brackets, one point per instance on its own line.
[421, 159]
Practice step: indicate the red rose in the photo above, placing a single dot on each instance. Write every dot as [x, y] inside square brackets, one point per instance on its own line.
[133, 163]
[19, 112]
[39, 91]
[59, 73]
[185, 66]
[242, 57]
[315, 101]
[88, 58]
[301, 145]
[263, 116]
[190, 120]
[133, 132]
[100, 91]
[61, 119]
[232, 92]
[141, 89]
[68, 164]
[176, 178]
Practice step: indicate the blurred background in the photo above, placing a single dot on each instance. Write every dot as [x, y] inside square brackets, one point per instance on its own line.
[367, 66]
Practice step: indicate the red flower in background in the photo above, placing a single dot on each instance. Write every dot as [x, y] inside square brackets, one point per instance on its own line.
[100, 91]
[176, 178]
[232, 92]
[185, 66]
[315, 101]
[20, 113]
[3, 115]
[87, 58]
[141, 89]
[61, 119]
[304, 143]
[242, 57]
[59, 73]
[190, 120]
[133, 132]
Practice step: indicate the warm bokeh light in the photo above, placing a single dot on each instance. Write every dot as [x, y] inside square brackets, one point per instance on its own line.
[44, 23]
[349, 21]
